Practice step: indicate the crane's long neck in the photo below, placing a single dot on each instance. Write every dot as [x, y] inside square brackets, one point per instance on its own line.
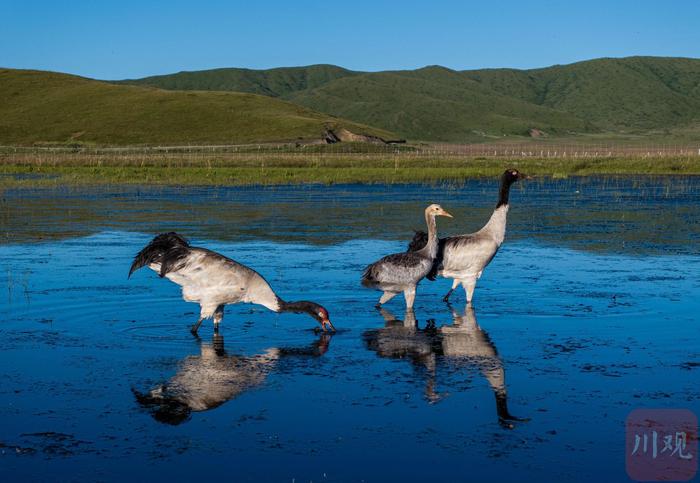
[284, 306]
[496, 226]
[503, 193]
[430, 248]
[297, 307]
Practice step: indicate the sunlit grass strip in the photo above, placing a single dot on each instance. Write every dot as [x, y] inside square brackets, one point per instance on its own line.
[325, 170]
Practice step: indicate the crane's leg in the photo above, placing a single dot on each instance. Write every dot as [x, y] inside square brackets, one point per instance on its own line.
[446, 298]
[218, 317]
[195, 327]
[410, 295]
[469, 286]
[386, 296]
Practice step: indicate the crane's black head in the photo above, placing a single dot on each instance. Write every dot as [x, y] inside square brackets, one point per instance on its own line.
[320, 313]
[510, 176]
[315, 310]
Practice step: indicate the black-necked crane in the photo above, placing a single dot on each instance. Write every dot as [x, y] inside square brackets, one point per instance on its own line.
[401, 272]
[214, 281]
[463, 258]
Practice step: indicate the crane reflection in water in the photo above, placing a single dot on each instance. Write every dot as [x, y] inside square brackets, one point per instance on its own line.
[208, 380]
[463, 344]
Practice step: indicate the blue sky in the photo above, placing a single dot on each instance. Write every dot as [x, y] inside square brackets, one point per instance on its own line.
[113, 40]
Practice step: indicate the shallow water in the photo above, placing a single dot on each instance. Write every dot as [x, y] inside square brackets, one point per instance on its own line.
[588, 312]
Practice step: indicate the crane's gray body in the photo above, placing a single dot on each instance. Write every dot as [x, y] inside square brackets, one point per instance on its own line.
[401, 272]
[213, 280]
[465, 257]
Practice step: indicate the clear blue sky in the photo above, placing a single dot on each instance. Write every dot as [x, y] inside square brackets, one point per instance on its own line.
[113, 40]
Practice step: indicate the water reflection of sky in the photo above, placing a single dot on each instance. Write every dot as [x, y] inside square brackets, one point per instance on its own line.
[578, 338]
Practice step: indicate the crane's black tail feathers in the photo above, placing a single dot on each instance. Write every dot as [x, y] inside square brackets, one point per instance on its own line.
[369, 278]
[420, 239]
[166, 249]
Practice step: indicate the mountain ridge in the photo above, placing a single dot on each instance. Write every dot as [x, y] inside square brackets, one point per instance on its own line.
[50, 107]
[617, 95]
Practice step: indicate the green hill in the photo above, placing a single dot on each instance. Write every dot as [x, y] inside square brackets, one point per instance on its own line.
[629, 95]
[46, 107]
[273, 82]
[634, 93]
[434, 104]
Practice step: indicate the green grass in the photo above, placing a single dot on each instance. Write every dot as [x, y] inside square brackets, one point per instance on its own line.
[273, 170]
[43, 107]
[611, 97]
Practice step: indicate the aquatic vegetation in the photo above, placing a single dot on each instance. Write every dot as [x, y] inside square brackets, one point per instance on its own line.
[229, 169]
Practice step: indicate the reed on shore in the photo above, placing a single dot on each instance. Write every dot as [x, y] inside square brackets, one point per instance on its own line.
[40, 169]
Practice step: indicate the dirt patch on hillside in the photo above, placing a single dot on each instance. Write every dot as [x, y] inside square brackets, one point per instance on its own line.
[332, 136]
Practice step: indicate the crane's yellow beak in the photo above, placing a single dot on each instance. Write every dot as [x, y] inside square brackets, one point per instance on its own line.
[444, 213]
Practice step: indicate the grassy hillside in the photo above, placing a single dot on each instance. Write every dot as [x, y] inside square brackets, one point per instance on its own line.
[635, 93]
[432, 104]
[630, 95]
[273, 82]
[45, 107]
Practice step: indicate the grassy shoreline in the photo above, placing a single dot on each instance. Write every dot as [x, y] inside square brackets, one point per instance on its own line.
[276, 170]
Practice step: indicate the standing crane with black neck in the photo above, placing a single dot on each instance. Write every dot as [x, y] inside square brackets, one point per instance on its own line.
[463, 258]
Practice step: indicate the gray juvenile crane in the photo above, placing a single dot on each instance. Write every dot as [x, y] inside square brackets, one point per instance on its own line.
[464, 257]
[214, 280]
[401, 272]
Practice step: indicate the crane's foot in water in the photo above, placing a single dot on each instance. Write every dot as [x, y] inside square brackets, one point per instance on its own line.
[508, 422]
[446, 298]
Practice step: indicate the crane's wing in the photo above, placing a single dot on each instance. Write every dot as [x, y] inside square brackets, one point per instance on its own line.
[467, 253]
[420, 239]
[399, 269]
[210, 278]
